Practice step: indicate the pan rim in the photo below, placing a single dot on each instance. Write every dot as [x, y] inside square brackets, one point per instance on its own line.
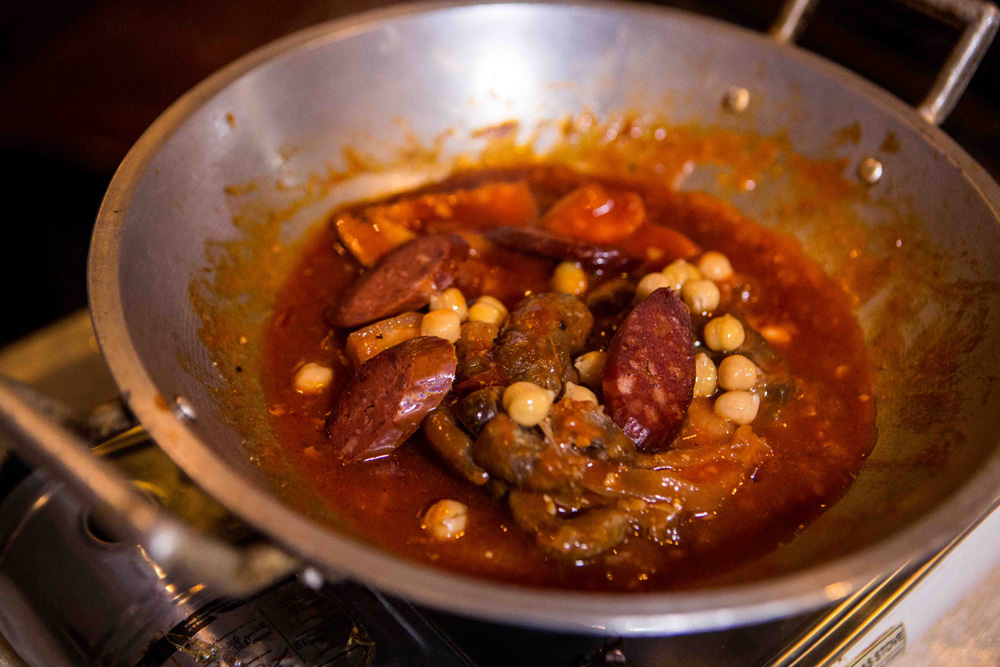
[338, 555]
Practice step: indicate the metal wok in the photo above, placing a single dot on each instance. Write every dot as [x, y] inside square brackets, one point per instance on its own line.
[935, 469]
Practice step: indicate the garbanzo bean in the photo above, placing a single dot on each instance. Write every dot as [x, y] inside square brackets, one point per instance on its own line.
[488, 309]
[569, 278]
[679, 272]
[527, 403]
[590, 366]
[737, 372]
[446, 520]
[715, 266]
[443, 323]
[453, 299]
[649, 284]
[739, 407]
[575, 392]
[701, 296]
[724, 334]
[483, 312]
[312, 378]
[705, 375]
[496, 303]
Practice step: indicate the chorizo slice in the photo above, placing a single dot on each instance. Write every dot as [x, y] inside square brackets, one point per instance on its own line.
[549, 244]
[649, 373]
[389, 396]
[403, 280]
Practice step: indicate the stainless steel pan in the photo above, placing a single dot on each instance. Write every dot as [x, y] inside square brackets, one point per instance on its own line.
[936, 467]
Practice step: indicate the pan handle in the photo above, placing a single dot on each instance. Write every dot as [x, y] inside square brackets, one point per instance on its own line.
[979, 17]
[30, 425]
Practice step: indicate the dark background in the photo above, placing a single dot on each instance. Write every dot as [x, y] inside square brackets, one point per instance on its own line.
[80, 81]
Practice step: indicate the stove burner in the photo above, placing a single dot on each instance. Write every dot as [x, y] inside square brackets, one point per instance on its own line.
[71, 593]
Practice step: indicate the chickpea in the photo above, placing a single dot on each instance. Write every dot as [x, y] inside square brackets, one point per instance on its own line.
[495, 303]
[705, 375]
[739, 407]
[569, 278]
[575, 392]
[527, 403]
[679, 272]
[480, 312]
[453, 299]
[446, 520]
[488, 309]
[442, 323]
[701, 296]
[312, 378]
[715, 266]
[724, 334]
[590, 366]
[737, 372]
[649, 284]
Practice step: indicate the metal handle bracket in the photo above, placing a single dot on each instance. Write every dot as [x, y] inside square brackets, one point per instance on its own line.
[30, 425]
[980, 18]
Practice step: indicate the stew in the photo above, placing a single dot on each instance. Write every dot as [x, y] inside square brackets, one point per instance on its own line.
[537, 376]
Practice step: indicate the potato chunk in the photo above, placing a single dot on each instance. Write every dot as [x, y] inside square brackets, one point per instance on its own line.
[365, 343]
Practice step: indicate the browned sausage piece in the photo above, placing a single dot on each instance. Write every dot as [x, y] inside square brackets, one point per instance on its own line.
[649, 373]
[389, 396]
[403, 280]
[540, 242]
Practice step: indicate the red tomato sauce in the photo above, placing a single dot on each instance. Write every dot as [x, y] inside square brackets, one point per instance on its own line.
[819, 438]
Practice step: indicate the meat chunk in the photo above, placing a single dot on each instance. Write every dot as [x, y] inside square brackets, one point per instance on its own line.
[611, 297]
[474, 348]
[389, 396]
[576, 536]
[452, 445]
[693, 480]
[520, 457]
[478, 408]
[539, 337]
[403, 280]
[588, 431]
[649, 373]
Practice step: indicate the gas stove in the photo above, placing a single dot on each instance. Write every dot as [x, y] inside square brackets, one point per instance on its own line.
[70, 593]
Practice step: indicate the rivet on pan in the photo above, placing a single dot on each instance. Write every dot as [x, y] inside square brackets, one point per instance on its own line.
[737, 99]
[311, 577]
[615, 656]
[870, 170]
[183, 409]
